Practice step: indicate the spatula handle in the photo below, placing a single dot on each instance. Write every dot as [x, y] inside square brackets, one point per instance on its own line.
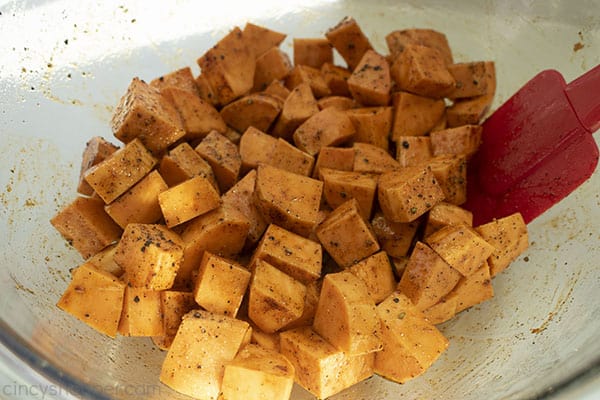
[584, 95]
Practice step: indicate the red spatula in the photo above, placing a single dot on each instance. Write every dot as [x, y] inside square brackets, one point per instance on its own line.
[537, 147]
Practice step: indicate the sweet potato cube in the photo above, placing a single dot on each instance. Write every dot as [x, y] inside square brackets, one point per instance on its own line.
[346, 315]
[370, 82]
[220, 285]
[104, 260]
[223, 157]
[340, 186]
[407, 194]
[329, 127]
[257, 109]
[397, 40]
[222, 231]
[240, 197]
[94, 297]
[311, 301]
[372, 124]
[443, 214]
[287, 199]
[441, 311]
[469, 79]
[199, 117]
[473, 289]
[295, 255]
[451, 174]
[86, 226]
[396, 238]
[463, 140]
[509, 237]
[340, 103]
[346, 236]
[181, 79]
[415, 115]
[145, 114]
[260, 39]
[461, 247]
[266, 340]
[272, 65]
[275, 298]
[229, 67]
[338, 158]
[410, 343]
[183, 163]
[299, 106]
[142, 313]
[413, 150]
[427, 277]
[290, 158]
[188, 200]
[120, 171]
[256, 147]
[175, 305]
[140, 203]
[313, 52]
[320, 368]
[369, 158]
[258, 373]
[204, 344]
[150, 255]
[277, 89]
[471, 110]
[206, 92]
[422, 70]
[376, 272]
[96, 150]
[336, 78]
[312, 76]
[349, 40]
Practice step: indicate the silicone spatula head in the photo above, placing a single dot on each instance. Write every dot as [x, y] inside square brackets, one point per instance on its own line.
[536, 148]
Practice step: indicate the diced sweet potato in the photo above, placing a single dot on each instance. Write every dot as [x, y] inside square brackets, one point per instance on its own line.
[277, 89]
[256, 147]
[415, 115]
[220, 285]
[96, 150]
[175, 305]
[336, 78]
[188, 200]
[142, 313]
[320, 368]
[299, 106]
[372, 124]
[313, 52]
[370, 82]
[150, 255]
[183, 163]
[410, 343]
[120, 171]
[272, 65]
[181, 79]
[206, 92]
[340, 186]
[311, 301]
[469, 79]
[407, 194]
[104, 261]
[473, 289]
[257, 109]
[295, 255]
[349, 40]
[373, 159]
[328, 127]
[338, 102]
[86, 226]
[422, 70]
[461, 247]
[192, 366]
[229, 66]
[266, 340]
[223, 157]
[376, 272]
[275, 298]
[397, 40]
[413, 150]
[509, 237]
[395, 238]
[471, 110]
[451, 174]
[287, 199]
[339, 158]
[260, 39]
[443, 214]
[94, 297]
[463, 140]
[258, 373]
[312, 76]
[442, 311]
[144, 114]
[140, 203]
[346, 315]
[346, 236]
[290, 158]
[427, 277]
